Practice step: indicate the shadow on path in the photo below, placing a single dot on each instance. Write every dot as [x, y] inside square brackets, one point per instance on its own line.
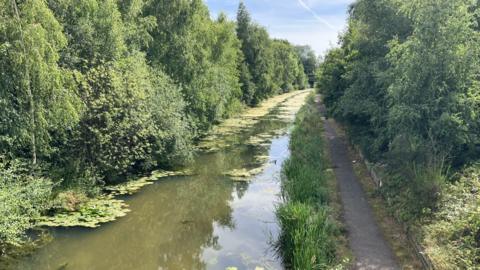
[365, 238]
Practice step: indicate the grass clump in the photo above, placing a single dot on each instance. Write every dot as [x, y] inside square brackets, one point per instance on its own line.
[309, 229]
[307, 241]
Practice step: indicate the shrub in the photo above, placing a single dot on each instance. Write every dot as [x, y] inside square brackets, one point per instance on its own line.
[452, 237]
[23, 198]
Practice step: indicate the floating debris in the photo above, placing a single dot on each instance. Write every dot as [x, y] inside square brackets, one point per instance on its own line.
[261, 159]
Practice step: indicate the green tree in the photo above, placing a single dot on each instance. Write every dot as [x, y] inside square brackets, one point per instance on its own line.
[95, 31]
[33, 95]
[309, 62]
[362, 103]
[289, 73]
[435, 102]
[173, 130]
[199, 54]
[258, 56]
[114, 130]
[330, 80]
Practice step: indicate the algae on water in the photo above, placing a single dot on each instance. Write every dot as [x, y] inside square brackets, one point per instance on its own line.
[218, 137]
[105, 208]
[244, 175]
[133, 186]
[90, 214]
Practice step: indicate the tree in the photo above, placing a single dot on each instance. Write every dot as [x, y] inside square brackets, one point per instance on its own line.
[258, 57]
[330, 80]
[430, 102]
[289, 73]
[114, 131]
[95, 31]
[199, 54]
[33, 92]
[362, 103]
[243, 28]
[309, 62]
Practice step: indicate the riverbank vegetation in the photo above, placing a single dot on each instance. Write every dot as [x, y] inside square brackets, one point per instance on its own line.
[404, 81]
[310, 232]
[95, 92]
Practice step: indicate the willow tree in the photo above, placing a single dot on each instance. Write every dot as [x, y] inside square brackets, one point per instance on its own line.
[33, 97]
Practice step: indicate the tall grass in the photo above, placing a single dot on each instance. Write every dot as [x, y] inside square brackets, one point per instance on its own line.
[308, 233]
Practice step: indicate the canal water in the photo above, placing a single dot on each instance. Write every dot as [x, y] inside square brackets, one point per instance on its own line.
[204, 221]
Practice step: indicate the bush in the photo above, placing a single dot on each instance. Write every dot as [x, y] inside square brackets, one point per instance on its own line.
[452, 237]
[23, 198]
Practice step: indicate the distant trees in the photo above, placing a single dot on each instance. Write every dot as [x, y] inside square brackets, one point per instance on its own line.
[309, 61]
[93, 91]
[289, 72]
[264, 71]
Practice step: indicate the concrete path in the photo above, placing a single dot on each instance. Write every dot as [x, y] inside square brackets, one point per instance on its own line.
[366, 241]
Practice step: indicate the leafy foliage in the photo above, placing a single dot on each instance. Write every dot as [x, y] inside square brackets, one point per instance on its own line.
[33, 96]
[405, 83]
[268, 66]
[23, 198]
[309, 62]
[452, 238]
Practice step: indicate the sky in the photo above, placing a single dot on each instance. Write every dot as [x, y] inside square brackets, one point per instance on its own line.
[303, 22]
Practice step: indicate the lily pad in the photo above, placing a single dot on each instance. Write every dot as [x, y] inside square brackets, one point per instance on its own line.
[90, 214]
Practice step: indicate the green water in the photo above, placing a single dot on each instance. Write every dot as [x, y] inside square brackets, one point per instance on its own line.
[205, 221]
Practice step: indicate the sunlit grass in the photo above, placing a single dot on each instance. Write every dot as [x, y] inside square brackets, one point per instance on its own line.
[309, 230]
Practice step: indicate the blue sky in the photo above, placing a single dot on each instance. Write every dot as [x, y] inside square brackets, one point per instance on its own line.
[305, 22]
